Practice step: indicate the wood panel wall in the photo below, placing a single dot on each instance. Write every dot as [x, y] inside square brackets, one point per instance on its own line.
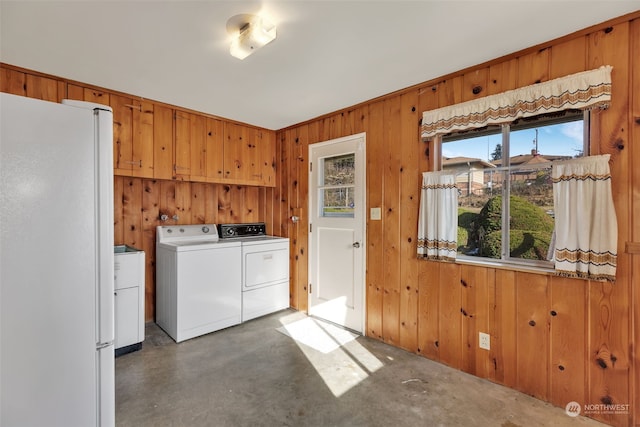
[554, 338]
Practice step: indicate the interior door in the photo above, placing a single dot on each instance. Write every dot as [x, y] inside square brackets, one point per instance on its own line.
[337, 231]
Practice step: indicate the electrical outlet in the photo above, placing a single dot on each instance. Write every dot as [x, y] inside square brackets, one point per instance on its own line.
[485, 341]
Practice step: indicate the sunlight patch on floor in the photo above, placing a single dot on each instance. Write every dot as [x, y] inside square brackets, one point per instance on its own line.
[334, 352]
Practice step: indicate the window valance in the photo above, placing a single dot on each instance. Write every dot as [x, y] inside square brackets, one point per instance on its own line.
[588, 89]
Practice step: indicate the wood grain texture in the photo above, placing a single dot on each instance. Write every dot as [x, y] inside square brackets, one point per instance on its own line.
[532, 335]
[410, 184]
[634, 155]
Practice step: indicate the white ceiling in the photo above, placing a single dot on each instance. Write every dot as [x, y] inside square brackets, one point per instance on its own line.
[328, 54]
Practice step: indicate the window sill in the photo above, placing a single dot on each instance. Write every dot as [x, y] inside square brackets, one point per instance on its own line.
[501, 265]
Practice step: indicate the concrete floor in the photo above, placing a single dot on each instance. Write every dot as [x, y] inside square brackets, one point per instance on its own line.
[255, 375]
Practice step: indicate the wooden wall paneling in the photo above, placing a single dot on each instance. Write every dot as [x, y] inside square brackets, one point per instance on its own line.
[198, 149]
[476, 300]
[75, 92]
[132, 212]
[391, 214]
[474, 84]
[302, 244]
[237, 203]
[410, 184]
[97, 96]
[533, 68]
[450, 318]
[142, 150]
[449, 91]
[42, 88]
[224, 204]
[198, 202]
[502, 76]
[335, 126]
[122, 134]
[568, 57]
[118, 224]
[428, 272]
[150, 220]
[182, 144]
[211, 203]
[568, 355]
[503, 323]
[634, 154]
[167, 201]
[183, 203]
[250, 204]
[532, 320]
[289, 151]
[609, 317]
[214, 146]
[12, 81]
[428, 309]
[162, 142]
[375, 228]
[284, 177]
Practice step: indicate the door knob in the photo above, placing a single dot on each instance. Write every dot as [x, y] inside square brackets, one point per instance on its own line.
[356, 245]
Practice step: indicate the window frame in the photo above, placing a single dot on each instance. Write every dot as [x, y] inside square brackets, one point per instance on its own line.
[505, 130]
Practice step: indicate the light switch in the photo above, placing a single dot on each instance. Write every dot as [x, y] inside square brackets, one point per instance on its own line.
[376, 214]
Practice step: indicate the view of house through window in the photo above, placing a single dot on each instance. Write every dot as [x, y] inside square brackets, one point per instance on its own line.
[337, 184]
[508, 169]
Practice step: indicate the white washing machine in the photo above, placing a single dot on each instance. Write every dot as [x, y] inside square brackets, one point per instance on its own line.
[198, 281]
[265, 268]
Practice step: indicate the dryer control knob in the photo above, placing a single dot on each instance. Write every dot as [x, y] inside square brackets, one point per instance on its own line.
[205, 229]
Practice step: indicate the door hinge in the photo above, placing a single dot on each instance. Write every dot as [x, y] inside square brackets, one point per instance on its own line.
[310, 166]
[310, 288]
[310, 228]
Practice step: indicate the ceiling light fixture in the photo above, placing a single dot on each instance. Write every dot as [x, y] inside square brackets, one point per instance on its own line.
[250, 33]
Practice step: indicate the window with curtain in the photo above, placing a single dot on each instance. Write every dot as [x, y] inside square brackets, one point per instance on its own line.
[500, 154]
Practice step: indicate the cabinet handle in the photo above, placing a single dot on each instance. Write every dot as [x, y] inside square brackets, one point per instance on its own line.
[133, 107]
[133, 162]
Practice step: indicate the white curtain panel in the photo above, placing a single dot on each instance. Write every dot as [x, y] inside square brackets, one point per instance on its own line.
[586, 231]
[438, 217]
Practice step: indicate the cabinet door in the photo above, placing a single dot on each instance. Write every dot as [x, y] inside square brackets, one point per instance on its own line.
[123, 162]
[132, 137]
[162, 142]
[43, 88]
[198, 148]
[182, 164]
[127, 270]
[143, 132]
[13, 82]
[126, 317]
[234, 141]
[214, 135]
[267, 148]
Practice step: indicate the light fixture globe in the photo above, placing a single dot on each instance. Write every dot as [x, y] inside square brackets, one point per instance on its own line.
[250, 33]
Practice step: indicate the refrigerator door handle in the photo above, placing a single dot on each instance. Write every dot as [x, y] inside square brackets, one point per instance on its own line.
[102, 345]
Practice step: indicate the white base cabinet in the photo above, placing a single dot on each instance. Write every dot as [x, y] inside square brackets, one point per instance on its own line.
[129, 299]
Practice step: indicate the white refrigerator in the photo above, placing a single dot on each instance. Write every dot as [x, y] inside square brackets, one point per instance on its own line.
[56, 264]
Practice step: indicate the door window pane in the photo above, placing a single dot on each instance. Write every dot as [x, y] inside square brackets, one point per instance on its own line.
[339, 170]
[337, 186]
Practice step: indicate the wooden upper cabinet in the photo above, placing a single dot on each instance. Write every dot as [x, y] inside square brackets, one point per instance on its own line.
[244, 150]
[132, 137]
[32, 86]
